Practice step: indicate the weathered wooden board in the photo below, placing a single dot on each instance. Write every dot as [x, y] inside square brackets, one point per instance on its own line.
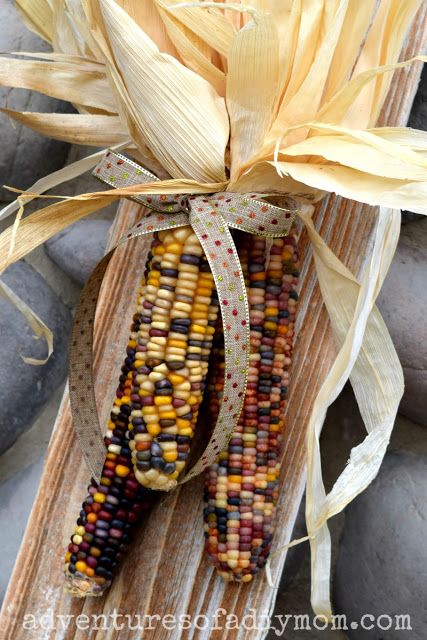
[166, 571]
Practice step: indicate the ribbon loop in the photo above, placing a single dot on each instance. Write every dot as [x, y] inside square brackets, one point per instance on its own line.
[257, 216]
[221, 253]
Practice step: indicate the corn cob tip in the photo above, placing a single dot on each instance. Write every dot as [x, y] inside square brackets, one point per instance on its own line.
[231, 577]
[82, 587]
[155, 481]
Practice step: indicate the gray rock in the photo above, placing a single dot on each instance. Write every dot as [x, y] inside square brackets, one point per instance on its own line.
[16, 500]
[403, 304]
[25, 155]
[410, 216]
[78, 248]
[84, 183]
[414, 401]
[382, 561]
[418, 120]
[25, 388]
[418, 116]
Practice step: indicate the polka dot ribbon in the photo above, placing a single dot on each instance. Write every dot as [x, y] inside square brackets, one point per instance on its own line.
[211, 217]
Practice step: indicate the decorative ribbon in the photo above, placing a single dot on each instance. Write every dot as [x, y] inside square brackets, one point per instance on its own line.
[211, 217]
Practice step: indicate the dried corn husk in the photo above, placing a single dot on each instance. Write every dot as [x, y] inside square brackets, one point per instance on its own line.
[279, 95]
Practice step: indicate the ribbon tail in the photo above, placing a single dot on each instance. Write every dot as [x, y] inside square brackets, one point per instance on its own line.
[80, 373]
[81, 381]
[221, 253]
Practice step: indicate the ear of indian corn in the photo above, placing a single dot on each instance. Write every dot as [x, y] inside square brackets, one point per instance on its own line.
[116, 505]
[178, 317]
[155, 408]
[241, 488]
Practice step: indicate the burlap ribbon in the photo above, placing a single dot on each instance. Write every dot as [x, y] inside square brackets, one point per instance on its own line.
[211, 217]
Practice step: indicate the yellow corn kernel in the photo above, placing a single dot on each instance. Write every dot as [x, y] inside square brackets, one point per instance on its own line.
[162, 400]
[179, 344]
[175, 378]
[154, 429]
[185, 431]
[149, 411]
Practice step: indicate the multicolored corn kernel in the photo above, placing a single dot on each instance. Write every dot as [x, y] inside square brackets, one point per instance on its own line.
[177, 321]
[241, 489]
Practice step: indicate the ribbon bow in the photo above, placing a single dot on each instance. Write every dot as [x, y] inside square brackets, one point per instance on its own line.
[211, 217]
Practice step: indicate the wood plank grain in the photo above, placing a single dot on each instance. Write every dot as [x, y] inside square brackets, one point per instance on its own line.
[166, 571]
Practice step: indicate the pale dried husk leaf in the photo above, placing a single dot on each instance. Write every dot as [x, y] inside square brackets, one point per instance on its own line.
[171, 105]
[92, 130]
[211, 26]
[193, 51]
[354, 27]
[146, 16]
[37, 325]
[366, 355]
[252, 82]
[64, 80]
[38, 16]
[352, 183]
[382, 46]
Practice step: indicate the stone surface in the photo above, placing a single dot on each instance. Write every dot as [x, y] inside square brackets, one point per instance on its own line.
[418, 120]
[25, 155]
[85, 182]
[414, 400]
[16, 500]
[61, 284]
[79, 248]
[382, 561]
[24, 388]
[34, 442]
[418, 116]
[403, 304]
